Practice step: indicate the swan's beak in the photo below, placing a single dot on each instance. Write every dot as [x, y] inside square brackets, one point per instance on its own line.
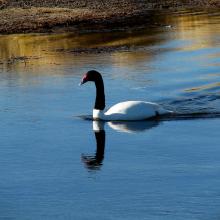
[84, 80]
[81, 83]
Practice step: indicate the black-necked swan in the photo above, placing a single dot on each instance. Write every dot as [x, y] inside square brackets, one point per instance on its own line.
[123, 111]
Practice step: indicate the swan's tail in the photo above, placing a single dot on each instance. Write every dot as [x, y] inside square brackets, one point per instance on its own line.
[163, 111]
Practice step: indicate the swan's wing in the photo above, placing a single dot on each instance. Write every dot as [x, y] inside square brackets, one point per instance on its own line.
[132, 110]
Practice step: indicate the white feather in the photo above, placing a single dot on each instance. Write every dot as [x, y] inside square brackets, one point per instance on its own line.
[130, 111]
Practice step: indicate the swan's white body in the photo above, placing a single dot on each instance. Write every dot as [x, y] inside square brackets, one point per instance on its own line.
[130, 111]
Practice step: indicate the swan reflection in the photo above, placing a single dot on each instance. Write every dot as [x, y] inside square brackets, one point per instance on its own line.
[94, 162]
[132, 126]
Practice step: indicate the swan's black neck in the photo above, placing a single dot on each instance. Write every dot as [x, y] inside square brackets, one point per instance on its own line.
[100, 94]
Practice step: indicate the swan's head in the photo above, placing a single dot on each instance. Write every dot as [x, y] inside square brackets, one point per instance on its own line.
[91, 75]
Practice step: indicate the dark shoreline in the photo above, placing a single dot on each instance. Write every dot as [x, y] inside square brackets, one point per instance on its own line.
[76, 16]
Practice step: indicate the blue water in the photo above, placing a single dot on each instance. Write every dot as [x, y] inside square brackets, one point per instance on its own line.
[54, 166]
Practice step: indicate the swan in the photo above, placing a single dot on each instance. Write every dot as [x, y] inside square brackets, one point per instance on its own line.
[123, 111]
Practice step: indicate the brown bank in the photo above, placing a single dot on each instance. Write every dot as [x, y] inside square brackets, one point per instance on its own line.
[18, 16]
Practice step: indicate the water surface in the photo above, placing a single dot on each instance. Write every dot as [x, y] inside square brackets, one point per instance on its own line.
[53, 165]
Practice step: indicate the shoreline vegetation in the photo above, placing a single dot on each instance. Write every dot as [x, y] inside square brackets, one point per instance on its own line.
[52, 16]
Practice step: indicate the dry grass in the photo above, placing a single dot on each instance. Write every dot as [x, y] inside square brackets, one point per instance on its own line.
[18, 20]
[98, 4]
[19, 16]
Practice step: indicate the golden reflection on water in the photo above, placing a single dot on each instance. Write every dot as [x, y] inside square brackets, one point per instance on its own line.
[204, 87]
[37, 50]
[200, 27]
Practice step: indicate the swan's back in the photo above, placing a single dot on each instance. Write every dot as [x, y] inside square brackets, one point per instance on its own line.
[133, 110]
